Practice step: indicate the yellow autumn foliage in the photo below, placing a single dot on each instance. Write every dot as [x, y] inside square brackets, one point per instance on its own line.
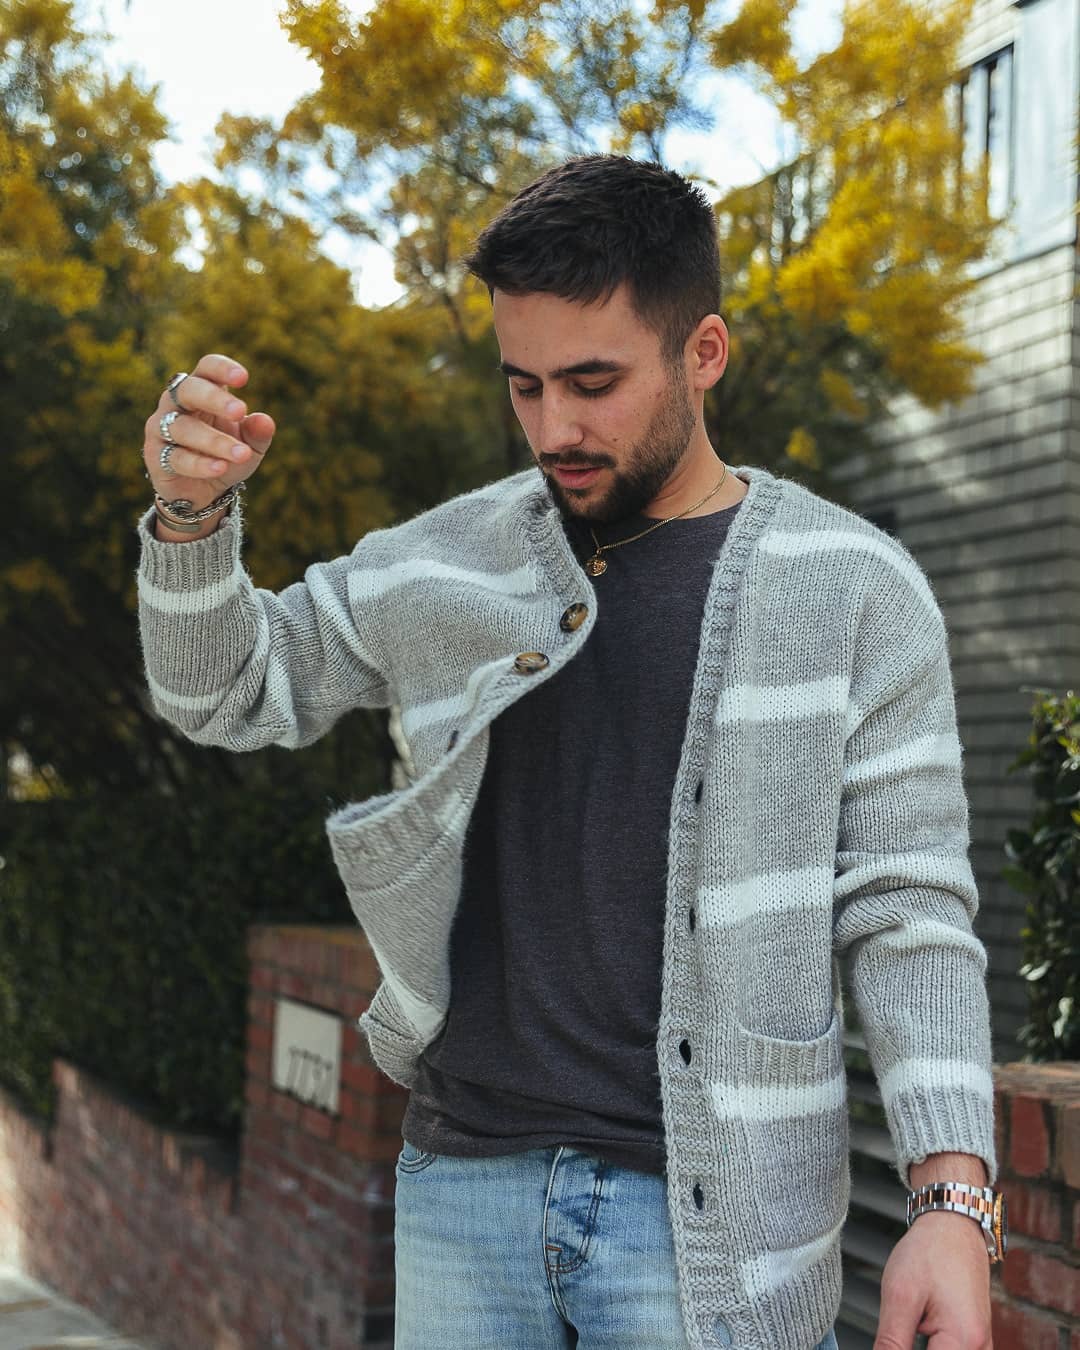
[802, 449]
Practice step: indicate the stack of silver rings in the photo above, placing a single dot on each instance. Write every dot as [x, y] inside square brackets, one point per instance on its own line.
[166, 423]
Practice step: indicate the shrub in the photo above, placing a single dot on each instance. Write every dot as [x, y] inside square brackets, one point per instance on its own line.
[1043, 866]
[123, 925]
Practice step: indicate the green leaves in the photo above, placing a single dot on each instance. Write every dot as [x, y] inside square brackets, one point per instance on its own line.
[1045, 866]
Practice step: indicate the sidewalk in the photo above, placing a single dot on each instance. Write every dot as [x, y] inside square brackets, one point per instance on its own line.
[33, 1317]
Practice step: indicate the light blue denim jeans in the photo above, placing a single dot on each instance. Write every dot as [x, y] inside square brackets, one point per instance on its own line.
[550, 1249]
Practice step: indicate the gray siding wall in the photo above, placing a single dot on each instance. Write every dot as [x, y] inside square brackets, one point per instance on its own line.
[986, 494]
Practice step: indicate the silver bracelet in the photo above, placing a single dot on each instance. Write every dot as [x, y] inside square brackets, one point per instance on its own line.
[180, 515]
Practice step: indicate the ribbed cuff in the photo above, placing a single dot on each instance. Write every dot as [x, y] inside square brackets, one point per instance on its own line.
[941, 1121]
[192, 564]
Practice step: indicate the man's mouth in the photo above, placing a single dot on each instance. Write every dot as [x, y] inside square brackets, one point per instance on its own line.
[575, 477]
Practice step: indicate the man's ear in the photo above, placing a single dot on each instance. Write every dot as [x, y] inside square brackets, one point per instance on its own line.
[707, 352]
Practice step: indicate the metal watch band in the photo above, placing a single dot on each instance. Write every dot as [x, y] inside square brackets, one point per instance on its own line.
[981, 1203]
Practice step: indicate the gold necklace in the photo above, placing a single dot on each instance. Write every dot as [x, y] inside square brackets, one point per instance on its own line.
[596, 566]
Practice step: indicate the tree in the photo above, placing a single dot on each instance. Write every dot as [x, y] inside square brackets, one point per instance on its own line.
[96, 310]
[845, 270]
[86, 260]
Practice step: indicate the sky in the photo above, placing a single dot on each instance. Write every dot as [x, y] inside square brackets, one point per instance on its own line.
[215, 56]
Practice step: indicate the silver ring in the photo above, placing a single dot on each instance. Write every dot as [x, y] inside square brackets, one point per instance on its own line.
[173, 385]
[165, 425]
[163, 458]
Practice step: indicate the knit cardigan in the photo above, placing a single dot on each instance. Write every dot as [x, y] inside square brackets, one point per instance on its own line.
[818, 817]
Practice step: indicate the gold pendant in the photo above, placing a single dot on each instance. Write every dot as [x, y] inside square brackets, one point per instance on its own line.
[596, 566]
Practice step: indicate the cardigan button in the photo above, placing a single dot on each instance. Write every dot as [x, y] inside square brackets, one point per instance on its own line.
[573, 618]
[528, 663]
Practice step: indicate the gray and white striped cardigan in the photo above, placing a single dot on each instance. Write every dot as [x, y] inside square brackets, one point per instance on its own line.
[819, 813]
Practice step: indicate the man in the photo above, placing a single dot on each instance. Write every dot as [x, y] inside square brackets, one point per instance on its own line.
[684, 736]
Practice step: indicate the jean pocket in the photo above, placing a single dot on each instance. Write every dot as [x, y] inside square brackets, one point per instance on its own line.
[413, 1159]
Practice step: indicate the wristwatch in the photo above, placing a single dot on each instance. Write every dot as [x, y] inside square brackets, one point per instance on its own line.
[981, 1203]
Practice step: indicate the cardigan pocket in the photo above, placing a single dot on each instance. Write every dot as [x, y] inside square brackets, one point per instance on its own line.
[792, 1102]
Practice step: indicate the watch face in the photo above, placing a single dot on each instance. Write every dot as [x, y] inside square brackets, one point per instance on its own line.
[1001, 1224]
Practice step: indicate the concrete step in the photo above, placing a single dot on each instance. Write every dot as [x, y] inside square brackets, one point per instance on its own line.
[35, 1317]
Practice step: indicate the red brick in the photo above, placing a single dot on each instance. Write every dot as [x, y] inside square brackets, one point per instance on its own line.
[1000, 1117]
[363, 1077]
[360, 970]
[1022, 1329]
[326, 995]
[1069, 1145]
[316, 1122]
[260, 1036]
[260, 1008]
[295, 985]
[360, 1111]
[1041, 1279]
[257, 1063]
[256, 1094]
[1074, 1341]
[1029, 1137]
[352, 1002]
[263, 977]
[1034, 1210]
[285, 1107]
[366, 1145]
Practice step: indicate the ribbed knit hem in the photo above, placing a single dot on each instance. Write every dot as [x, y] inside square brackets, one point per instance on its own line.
[395, 1046]
[375, 842]
[941, 1121]
[189, 565]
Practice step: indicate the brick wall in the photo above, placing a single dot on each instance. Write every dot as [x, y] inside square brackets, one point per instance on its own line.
[1037, 1290]
[288, 1243]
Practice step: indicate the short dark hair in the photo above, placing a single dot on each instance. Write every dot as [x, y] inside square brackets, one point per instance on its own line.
[584, 227]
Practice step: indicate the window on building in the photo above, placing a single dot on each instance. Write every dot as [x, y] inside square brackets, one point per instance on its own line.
[986, 115]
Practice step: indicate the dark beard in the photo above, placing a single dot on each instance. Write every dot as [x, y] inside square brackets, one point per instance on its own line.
[649, 465]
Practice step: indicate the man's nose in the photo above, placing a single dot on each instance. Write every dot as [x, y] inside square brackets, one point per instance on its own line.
[558, 429]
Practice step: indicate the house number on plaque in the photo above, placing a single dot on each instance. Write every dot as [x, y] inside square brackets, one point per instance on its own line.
[307, 1053]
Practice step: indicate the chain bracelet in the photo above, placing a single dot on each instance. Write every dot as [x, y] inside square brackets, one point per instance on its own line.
[180, 512]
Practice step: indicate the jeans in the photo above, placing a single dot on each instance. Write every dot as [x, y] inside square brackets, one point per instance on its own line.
[550, 1249]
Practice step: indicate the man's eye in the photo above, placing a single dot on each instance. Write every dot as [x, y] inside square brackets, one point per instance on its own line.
[532, 391]
[595, 391]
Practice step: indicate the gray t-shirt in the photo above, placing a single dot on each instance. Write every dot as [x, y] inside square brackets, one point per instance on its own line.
[557, 947]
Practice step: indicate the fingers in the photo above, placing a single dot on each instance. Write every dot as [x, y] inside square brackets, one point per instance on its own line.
[212, 433]
[201, 438]
[257, 429]
[199, 395]
[221, 370]
[187, 464]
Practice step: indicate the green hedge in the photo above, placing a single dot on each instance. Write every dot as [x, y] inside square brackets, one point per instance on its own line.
[123, 927]
[1044, 865]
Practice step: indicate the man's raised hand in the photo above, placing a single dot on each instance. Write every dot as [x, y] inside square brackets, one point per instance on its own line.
[218, 442]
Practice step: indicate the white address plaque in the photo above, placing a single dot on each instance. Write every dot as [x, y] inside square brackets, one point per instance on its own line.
[307, 1053]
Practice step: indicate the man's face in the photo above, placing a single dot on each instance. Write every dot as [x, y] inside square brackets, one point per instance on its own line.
[607, 419]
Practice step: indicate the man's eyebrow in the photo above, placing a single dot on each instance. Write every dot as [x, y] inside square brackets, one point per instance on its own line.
[595, 366]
